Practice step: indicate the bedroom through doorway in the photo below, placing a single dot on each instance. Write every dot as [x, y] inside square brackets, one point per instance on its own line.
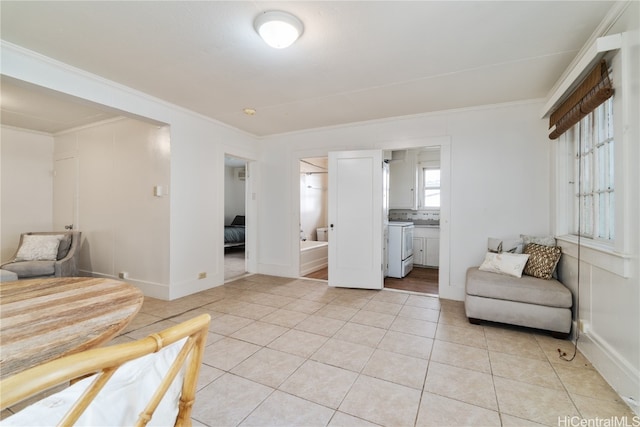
[235, 189]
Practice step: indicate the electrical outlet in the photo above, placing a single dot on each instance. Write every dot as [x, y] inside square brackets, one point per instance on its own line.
[583, 326]
[202, 275]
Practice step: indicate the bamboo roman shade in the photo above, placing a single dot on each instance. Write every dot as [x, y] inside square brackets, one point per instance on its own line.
[593, 91]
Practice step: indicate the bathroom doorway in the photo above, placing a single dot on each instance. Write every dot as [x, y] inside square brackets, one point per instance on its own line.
[314, 183]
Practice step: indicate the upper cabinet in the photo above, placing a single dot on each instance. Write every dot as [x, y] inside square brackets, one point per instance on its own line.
[403, 180]
[414, 179]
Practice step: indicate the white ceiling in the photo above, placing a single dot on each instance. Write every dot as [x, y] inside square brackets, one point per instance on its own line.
[30, 107]
[356, 61]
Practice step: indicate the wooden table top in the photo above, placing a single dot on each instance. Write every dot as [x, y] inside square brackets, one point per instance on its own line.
[43, 319]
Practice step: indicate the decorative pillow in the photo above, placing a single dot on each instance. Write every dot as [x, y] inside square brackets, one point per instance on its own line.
[513, 245]
[36, 247]
[494, 245]
[504, 263]
[65, 245]
[539, 240]
[542, 260]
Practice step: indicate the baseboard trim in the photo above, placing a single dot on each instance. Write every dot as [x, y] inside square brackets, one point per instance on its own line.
[277, 270]
[150, 289]
[455, 293]
[624, 378]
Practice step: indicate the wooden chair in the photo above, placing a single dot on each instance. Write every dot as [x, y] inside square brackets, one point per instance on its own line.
[189, 338]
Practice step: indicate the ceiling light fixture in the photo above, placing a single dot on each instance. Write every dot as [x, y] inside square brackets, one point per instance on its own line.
[278, 29]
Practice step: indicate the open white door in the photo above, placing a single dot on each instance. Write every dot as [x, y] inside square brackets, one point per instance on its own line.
[356, 219]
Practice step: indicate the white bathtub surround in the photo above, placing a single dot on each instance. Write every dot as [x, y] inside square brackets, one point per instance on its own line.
[313, 256]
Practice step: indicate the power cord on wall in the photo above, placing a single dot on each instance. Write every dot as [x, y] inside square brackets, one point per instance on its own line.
[561, 354]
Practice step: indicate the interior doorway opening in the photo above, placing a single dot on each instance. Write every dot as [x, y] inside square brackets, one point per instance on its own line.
[432, 243]
[314, 183]
[235, 197]
[415, 196]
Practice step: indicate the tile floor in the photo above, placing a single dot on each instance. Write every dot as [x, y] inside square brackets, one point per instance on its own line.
[295, 352]
[234, 263]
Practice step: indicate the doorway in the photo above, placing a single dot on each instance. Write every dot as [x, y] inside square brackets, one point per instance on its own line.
[314, 182]
[416, 196]
[438, 279]
[235, 191]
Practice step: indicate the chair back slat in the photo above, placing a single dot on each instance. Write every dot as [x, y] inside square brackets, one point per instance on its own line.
[107, 360]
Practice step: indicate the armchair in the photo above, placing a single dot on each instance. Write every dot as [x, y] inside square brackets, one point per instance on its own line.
[45, 254]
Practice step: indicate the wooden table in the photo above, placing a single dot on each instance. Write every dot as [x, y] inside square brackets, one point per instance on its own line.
[42, 319]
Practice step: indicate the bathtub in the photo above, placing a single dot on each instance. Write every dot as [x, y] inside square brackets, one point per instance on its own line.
[313, 256]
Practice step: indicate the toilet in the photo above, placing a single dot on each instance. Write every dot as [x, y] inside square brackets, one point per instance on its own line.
[322, 234]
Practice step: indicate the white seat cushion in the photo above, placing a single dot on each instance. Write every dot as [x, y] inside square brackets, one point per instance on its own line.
[527, 289]
[120, 402]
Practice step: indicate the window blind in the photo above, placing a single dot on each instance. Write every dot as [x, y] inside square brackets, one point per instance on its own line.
[590, 93]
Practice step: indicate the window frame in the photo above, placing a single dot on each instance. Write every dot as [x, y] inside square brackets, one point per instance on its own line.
[611, 256]
[593, 170]
[422, 166]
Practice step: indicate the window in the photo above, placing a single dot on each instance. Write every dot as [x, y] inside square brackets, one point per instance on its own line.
[431, 188]
[592, 143]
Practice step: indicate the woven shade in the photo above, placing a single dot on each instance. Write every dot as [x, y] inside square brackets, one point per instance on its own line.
[595, 89]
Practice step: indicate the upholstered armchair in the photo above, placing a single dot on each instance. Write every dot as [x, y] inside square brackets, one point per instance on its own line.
[45, 254]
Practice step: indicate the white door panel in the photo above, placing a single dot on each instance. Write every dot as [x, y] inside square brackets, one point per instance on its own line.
[356, 219]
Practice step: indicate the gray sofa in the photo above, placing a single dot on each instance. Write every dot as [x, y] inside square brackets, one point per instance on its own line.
[525, 301]
[63, 266]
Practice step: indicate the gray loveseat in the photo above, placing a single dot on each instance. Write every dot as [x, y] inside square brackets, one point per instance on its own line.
[63, 266]
[523, 301]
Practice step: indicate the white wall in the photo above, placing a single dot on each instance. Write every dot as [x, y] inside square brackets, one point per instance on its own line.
[125, 227]
[26, 186]
[234, 195]
[198, 147]
[499, 170]
[608, 292]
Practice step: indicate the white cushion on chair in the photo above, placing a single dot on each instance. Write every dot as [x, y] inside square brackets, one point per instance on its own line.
[121, 400]
[39, 248]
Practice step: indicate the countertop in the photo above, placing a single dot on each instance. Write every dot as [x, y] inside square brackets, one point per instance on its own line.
[419, 223]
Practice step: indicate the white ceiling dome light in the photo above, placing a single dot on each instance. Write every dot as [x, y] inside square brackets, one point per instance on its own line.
[278, 29]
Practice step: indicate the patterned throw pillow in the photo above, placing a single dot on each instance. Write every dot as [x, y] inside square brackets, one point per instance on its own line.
[542, 260]
[38, 248]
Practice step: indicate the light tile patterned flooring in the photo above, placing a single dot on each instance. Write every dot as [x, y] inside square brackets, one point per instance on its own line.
[295, 352]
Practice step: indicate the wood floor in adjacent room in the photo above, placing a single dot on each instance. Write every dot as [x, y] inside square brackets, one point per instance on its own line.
[420, 279]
